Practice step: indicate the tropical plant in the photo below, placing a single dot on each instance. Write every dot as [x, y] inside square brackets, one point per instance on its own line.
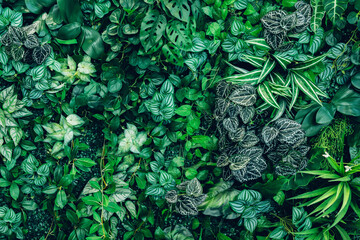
[342, 190]
[249, 206]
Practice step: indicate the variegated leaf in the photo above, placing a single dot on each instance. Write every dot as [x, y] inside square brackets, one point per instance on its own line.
[266, 94]
[186, 205]
[223, 89]
[238, 135]
[171, 196]
[288, 22]
[268, 67]
[269, 134]
[250, 140]
[247, 113]
[194, 188]
[231, 124]
[223, 160]
[271, 21]
[274, 40]
[244, 96]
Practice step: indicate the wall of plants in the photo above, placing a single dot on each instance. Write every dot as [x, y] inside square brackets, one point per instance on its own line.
[179, 119]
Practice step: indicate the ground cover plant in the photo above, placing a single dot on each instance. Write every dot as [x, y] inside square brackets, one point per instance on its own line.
[179, 119]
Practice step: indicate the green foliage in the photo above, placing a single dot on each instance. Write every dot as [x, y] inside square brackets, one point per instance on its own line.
[249, 205]
[144, 119]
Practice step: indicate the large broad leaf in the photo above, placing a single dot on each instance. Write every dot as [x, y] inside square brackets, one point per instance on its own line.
[69, 31]
[70, 10]
[35, 6]
[152, 29]
[91, 42]
[347, 101]
[179, 35]
[179, 9]
[318, 14]
[334, 9]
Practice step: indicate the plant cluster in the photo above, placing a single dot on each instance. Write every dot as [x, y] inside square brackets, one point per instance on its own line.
[179, 119]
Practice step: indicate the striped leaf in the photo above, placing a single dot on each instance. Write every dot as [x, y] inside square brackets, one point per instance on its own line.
[295, 94]
[238, 69]
[277, 78]
[268, 67]
[280, 111]
[266, 94]
[247, 78]
[282, 61]
[259, 42]
[253, 60]
[309, 63]
[306, 87]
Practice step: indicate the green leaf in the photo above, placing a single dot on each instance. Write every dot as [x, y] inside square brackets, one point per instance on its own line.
[16, 135]
[69, 31]
[152, 29]
[347, 101]
[318, 14]
[14, 191]
[334, 9]
[238, 206]
[325, 114]
[91, 42]
[112, 207]
[70, 10]
[311, 194]
[184, 110]
[266, 94]
[305, 86]
[178, 8]
[268, 67]
[191, 173]
[179, 35]
[61, 199]
[345, 205]
[288, 3]
[309, 63]
[114, 85]
[173, 54]
[257, 62]
[250, 224]
[130, 206]
[247, 78]
[295, 93]
[283, 61]
[4, 183]
[86, 162]
[259, 42]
